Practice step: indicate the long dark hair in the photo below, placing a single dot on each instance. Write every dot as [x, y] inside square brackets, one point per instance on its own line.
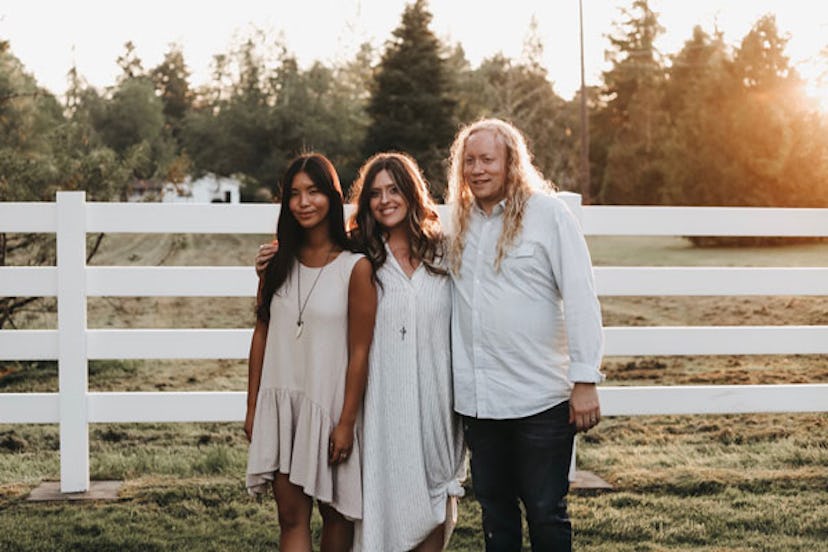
[288, 231]
[422, 221]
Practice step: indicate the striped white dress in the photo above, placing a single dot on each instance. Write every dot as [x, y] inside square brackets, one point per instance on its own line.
[413, 443]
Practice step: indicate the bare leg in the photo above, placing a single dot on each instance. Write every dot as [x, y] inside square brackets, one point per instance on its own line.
[434, 540]
[294, 508]
[438, 539]
[337, 532]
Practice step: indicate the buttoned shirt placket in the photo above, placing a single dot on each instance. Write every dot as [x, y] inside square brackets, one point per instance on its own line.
[408, 331]
[489, 222]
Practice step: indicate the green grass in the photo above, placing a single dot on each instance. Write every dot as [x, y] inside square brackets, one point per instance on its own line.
[746, 482]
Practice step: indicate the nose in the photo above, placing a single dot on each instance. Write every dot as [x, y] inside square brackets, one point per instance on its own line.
[384, 197]
[303, 198]
[477, 167]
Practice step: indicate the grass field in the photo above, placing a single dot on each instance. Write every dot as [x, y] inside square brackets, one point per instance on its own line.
[715, 483]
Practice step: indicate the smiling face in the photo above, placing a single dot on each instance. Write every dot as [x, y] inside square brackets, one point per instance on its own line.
[386, 201]
[484, 168]
[307, 202]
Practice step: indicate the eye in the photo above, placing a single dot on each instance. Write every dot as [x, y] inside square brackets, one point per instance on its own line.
[394, 190]
[373, 193]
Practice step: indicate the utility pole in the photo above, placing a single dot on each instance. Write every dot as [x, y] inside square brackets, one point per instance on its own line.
[585, 184]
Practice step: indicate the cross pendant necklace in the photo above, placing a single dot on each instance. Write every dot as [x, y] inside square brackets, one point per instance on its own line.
[402, 333]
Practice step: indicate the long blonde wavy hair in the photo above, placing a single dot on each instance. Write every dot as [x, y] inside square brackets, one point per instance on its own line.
[522, 179]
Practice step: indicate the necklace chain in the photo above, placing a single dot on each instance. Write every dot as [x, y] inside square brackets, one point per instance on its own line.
[300, 324]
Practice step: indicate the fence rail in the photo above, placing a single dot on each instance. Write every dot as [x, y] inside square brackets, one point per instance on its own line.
[154, 344]
[206, 281]
[73, 344]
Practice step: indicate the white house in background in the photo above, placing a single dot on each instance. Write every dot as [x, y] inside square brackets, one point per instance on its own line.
[207, 189]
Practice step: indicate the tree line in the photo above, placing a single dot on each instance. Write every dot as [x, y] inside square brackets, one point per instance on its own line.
[714, 124]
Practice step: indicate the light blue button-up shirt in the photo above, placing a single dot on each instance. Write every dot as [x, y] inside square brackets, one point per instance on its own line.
[521, 337]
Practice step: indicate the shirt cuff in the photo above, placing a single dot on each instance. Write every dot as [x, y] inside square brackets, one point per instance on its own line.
[580, 372]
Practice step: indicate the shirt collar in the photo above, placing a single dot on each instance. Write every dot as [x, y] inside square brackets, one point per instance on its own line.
[497, 210]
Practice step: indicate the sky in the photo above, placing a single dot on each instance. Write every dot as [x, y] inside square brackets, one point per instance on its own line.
[49, 37]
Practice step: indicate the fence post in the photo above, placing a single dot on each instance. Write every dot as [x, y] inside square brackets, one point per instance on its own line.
[72, 360]
[573, 201]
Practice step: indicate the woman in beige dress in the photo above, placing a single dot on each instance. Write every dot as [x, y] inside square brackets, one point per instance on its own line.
[308, 363]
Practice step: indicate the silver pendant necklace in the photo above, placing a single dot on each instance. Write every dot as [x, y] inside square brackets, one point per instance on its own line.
[300, 323]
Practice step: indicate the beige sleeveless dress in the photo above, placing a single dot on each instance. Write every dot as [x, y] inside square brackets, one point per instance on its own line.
[302, 390]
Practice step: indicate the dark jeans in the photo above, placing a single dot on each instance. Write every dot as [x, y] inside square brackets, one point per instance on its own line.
[527, 459]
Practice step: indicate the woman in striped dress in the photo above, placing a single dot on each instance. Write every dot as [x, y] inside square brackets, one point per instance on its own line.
[413, 446]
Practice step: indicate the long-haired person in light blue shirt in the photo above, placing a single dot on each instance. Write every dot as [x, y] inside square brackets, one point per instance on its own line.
[526, 335]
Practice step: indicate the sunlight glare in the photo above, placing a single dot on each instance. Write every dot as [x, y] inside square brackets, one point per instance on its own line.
[819, 94]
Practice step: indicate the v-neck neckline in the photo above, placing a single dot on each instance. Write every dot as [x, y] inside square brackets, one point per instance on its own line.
[398, 266]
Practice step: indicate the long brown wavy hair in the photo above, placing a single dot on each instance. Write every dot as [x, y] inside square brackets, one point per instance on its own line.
[522, 180]
[425, 236]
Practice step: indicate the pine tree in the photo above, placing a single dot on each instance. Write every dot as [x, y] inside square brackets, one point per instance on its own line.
[743, 132]
[411, 108]
[761, 61]
[170, 78]
[637, 122]
[702, 92]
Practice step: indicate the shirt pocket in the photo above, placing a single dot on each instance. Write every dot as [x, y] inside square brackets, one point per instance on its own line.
[522, 251]
[521, 262]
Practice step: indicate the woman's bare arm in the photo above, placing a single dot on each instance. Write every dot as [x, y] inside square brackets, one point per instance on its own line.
[254, 368]
[362, 310]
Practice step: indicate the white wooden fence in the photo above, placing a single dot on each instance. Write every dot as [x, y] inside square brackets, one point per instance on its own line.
[73, 345]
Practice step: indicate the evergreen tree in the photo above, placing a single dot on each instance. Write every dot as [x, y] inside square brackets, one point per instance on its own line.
[701, 57]
[760, 60]
[411, 108]
[701, 93]
[744, 133]
[170, 78]
[467, 87]
[129, 62]
[779, 140]
[638, 125]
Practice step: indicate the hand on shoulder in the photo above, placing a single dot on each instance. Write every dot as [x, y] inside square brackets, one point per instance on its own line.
[264, 254]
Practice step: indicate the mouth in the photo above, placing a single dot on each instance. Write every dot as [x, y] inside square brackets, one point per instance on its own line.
[387, 211]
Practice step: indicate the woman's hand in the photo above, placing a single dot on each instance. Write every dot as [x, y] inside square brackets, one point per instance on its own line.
[341, 443]
[266, 252]
[248, 423]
